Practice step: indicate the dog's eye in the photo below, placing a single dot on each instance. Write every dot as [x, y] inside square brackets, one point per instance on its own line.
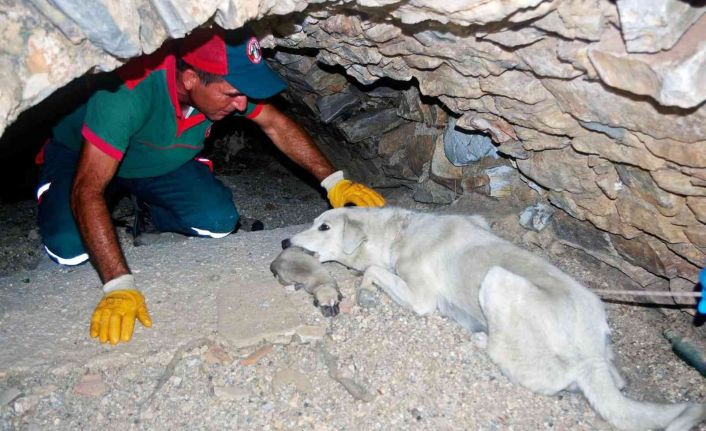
[324, 227]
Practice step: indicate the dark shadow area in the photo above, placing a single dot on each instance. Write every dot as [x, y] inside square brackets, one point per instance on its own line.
[257, 150]
[699, 320]
[24, 138]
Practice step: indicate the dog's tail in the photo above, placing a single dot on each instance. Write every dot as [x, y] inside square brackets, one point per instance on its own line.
[597, 384]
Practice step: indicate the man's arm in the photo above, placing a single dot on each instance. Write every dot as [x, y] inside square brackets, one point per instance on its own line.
[114, 317]
[293, 141]
[94, 172]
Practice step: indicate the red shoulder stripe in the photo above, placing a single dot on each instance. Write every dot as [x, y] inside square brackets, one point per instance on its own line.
[255, 112]
[102, 145]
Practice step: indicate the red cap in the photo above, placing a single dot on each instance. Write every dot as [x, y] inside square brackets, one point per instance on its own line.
[236, 56]
[206, 49]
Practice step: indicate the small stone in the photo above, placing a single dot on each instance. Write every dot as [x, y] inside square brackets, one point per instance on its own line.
[9, 395]
[230, 393]
[192, 362]
[462, 147]
[367, 298]
[217, 355]
[310, 333]
[25, 404]
[43, 391]
[431, 192]
[294, 377]
[90, 385]
[358, 391]
[255, 356]
[537, 217]
[416, 414]
[175, 381]
[501, 180]
[347, 306]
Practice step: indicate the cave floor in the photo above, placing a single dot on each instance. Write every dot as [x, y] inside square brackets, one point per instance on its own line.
[232, 349]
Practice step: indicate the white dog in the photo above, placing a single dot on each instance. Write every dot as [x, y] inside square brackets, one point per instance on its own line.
[545, 330]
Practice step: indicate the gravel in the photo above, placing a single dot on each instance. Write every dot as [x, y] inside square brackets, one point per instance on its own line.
[401, 371]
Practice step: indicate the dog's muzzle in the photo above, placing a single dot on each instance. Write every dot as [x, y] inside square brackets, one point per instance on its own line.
[286, 243]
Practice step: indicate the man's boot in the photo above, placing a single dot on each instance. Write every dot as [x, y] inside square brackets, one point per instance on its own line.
[143, 230]
[248, 224]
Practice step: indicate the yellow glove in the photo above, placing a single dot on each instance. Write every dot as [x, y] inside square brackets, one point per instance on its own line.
[342, 191]
[114, 317]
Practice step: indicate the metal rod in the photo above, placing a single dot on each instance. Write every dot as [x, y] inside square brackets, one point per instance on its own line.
[647, 293]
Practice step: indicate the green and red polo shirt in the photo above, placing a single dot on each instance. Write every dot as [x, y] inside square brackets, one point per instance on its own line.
[140, 123]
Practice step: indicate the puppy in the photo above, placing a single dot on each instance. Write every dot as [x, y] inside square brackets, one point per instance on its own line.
[545, 330]
[296, 266]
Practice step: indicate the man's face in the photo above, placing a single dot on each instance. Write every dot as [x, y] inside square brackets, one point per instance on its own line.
[217, 99]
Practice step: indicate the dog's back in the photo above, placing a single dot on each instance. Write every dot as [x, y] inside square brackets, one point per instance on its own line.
[450, 255]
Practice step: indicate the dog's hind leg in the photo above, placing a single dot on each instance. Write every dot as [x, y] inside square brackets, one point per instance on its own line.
[613, 369]
[398, 289]
[548, 340]
[522, 340]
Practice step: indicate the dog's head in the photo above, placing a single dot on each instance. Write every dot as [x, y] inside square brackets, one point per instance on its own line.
[336, 235]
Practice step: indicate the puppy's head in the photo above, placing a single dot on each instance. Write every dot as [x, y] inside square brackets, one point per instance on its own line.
[335, 235]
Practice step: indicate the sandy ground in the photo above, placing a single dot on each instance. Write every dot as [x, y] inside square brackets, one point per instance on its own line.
[217, 359]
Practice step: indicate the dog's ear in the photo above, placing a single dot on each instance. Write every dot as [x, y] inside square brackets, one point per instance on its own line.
[353, 235]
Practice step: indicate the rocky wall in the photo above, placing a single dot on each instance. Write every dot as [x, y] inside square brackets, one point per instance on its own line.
[593, 106]
[600, 113]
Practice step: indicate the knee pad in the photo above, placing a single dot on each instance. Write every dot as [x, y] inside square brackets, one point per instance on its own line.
[65, 250]
[215, 222]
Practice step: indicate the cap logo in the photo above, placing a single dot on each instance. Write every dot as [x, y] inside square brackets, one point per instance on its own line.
[253, 51]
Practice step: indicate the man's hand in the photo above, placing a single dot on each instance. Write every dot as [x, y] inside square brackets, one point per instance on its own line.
[342, 191]
[114, 317]
[346, 191]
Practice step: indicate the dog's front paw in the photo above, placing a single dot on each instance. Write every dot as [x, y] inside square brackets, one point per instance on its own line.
[327, 299]
[367, 298]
